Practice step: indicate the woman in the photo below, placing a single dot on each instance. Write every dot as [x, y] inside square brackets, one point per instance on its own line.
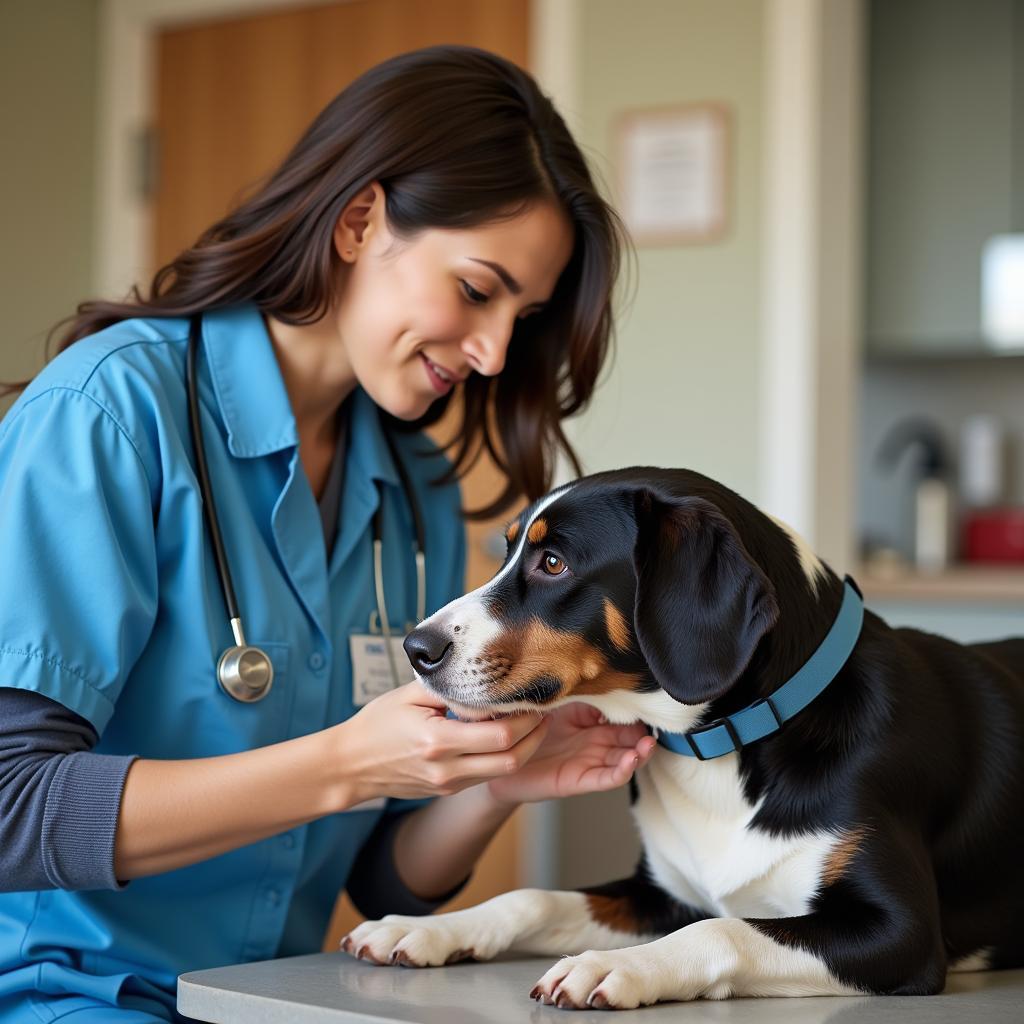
[436, 227]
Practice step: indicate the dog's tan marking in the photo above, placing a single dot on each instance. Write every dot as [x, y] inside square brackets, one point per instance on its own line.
[608, 681]
[842, 853]
[512, 532]
[517, 658]
[613, 912]
[615, 623]
[538, 531]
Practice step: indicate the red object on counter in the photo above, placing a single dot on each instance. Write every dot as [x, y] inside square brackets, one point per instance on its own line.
[994, 535]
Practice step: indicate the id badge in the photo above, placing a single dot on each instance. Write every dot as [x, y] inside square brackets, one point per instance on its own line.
[371, 669]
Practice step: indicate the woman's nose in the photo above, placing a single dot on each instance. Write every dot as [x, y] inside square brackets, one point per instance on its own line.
[487, 347]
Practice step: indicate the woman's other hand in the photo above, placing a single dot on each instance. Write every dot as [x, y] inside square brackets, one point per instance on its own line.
[581, 753]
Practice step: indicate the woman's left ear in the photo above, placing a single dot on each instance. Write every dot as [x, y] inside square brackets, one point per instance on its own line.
[358, 221]
[702, 603]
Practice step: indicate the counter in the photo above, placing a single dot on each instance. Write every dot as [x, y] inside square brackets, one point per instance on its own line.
[334, 988]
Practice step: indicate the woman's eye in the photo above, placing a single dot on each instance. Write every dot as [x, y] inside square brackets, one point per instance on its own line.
[552, 564]
[472, 294]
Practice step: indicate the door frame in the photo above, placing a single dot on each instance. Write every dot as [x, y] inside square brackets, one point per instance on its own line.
[815, 81]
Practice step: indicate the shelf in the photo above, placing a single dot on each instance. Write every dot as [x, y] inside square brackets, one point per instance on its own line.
[893, 353]
[982, 583]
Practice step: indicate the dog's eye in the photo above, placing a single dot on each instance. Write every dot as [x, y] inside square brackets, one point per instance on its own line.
[552, 564]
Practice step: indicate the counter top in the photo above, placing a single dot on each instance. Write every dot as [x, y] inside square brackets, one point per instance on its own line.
[335, 988]
[994, 584]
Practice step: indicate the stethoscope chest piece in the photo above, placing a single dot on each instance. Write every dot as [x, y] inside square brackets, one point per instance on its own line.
[245, 673]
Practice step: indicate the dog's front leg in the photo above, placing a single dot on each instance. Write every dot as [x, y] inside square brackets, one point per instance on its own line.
[850, 944]
[525, 921]
[712, 959]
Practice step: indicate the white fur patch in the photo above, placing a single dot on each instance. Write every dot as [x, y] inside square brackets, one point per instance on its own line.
[979, 961]
[656, 707]
[812, 565]
[693, 819]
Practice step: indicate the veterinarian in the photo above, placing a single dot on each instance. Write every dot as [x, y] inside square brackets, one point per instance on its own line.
[196, 749]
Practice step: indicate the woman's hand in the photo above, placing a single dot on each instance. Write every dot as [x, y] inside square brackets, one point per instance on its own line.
[402, 745]
[581, 753]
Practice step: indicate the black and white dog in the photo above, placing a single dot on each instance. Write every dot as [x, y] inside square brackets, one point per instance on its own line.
[869, 844]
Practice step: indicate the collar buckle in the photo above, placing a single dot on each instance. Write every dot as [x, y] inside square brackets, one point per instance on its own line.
[726, 723]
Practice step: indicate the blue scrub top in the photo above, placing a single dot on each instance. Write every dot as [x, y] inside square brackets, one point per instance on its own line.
[110, 603]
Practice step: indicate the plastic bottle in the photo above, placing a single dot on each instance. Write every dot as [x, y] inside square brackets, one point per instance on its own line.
[933, 502]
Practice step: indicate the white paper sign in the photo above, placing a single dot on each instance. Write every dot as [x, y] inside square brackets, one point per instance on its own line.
[673, 173]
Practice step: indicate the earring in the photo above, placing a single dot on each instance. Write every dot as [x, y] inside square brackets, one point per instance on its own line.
[348, 254]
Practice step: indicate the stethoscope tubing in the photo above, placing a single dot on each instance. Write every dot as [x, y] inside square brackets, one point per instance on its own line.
[209, 507]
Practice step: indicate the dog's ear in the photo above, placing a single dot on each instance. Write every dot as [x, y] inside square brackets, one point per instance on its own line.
[702, 603]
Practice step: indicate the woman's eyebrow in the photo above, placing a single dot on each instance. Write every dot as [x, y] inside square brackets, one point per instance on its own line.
[507, 279]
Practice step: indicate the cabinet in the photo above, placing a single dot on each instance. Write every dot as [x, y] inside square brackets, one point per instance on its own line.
[945, 106]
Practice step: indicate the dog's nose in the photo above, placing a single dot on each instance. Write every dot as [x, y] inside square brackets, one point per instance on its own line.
[427, 649]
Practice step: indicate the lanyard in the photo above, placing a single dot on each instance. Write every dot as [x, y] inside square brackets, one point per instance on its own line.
[378, 555]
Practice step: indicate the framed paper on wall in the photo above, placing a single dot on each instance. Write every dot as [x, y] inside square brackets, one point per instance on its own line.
[673, 173]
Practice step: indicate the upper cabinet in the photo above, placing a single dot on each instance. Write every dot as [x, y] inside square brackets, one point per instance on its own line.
[944, 138]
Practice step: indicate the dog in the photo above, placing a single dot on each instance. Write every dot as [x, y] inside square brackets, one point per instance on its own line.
[867, 842]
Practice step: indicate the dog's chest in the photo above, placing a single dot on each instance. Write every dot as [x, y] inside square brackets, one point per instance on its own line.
[693, 821]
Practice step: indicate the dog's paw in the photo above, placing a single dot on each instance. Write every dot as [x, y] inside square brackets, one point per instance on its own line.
[617, 979]
[408, 942]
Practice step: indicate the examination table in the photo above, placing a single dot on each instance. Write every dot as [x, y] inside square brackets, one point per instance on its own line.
[333, 987]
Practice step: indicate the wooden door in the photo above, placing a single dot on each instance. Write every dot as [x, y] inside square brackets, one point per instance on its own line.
[232, 97]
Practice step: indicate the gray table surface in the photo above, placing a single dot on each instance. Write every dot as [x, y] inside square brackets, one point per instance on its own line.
[334, 987]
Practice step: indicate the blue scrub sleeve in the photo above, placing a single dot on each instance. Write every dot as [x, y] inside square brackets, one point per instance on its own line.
[78, 590]
[58, 802]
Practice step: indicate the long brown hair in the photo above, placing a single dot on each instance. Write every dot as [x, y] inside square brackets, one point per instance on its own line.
[457, 137]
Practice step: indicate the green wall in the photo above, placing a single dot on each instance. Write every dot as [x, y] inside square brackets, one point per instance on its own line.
[48, 70]
[684, 387]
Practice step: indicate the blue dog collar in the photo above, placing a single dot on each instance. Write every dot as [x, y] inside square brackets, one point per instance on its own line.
[762, 718]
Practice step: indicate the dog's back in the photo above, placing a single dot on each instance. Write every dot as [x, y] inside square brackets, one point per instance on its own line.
[1009, 653]
[974, 831]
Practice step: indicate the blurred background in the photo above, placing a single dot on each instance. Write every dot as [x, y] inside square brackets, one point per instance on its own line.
[831, 321]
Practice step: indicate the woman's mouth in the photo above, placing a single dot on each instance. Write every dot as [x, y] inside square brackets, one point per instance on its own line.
[440, 379]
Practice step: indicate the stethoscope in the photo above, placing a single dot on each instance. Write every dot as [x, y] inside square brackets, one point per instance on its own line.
[244, 672]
